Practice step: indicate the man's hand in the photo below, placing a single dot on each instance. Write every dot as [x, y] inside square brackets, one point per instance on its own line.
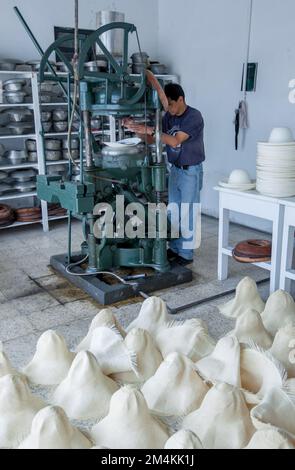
[137, 128]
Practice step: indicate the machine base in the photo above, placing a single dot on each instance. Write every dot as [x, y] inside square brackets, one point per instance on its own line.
[110, 293]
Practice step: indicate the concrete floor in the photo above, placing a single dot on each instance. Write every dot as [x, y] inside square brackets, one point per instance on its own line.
[33, 298]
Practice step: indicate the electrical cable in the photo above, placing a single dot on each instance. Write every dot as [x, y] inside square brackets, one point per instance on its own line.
[107, 273]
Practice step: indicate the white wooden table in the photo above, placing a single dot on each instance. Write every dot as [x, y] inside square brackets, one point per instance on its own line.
[287, 273]
[254, 204]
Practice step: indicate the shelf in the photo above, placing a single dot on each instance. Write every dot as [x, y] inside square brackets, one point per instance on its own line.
[58, 217]
[34, 165]
[22, 136]
[64, 103]
[19, 167]
[20, 105]
[17, 196]
[60, 134]
[20, 224]
[17, 72]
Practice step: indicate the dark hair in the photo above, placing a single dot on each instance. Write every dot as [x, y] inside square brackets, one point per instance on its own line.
[174, 91]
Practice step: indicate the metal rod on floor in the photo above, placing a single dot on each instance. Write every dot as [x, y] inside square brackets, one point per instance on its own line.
[176, 310]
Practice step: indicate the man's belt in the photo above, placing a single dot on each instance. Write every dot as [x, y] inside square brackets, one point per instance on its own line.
[182, 167]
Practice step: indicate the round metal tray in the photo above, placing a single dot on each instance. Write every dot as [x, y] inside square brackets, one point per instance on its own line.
[15, 157]
[23, 175]
[24, 186]
[20, 128]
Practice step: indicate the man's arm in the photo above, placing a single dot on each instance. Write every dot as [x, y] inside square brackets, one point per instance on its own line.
[145, 133]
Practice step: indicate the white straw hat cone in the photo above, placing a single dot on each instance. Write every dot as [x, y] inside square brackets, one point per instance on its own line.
[276, 410]
[183, 439]
[190, 338]
[249, 328]
[5, 365]
[281, 135]
[247, 296]
[86, 392]
[269, 439]
[223, 365]
[51, 429]
[260, 372]
[153, 315]
[51, 362]
[148, 357]
[223, 420]
[283, 348]
[279, 311]
[176, 389]
[129, 424]
[110, 350]
[17, 410]
[238, 179]
[104, 318]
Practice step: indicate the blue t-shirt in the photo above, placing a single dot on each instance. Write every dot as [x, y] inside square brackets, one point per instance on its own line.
[192, 151]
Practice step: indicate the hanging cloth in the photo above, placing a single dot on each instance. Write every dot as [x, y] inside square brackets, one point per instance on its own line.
[243, 115]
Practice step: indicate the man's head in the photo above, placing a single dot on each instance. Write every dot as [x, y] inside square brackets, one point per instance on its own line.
[176, 99]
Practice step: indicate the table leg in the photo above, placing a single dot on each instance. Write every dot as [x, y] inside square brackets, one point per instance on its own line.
[276, 250]
[287, 257]
[223, 242]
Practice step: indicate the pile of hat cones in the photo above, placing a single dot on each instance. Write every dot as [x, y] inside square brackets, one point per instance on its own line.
[161, 384]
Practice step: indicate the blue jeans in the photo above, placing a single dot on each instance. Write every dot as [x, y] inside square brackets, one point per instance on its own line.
[185, 187]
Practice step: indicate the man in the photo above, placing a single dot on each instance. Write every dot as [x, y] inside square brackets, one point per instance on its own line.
[183, 128]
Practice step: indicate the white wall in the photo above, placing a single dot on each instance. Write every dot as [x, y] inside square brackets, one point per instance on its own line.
[43, 15]
[204, 41]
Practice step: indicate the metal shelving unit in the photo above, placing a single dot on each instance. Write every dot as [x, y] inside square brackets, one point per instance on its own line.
[36, 106]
